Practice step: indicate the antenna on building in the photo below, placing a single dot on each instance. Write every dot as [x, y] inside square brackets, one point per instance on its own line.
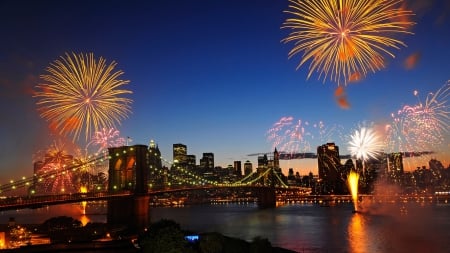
[129, 140]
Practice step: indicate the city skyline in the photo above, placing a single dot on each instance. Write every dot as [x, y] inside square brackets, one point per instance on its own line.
[214, 76]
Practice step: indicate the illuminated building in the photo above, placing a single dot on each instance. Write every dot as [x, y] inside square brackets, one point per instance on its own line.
[191, 161]
[207, 161]
[248, 168]
[276, 159]
[263, 163]
[291, 180]
[270, 162]
[395, 166]
[157, 173]
[329, 165]
[328, 161]
[155, 158]
[180, 153]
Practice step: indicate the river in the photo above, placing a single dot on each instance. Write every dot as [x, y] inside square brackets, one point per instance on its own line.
[386, 227]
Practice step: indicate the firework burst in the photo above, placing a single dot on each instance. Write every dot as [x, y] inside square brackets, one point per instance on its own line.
[82, 95]
[107, 137]
[365, 143]
[346, 37]
[423, 126]
[292, 136]
[55, 177]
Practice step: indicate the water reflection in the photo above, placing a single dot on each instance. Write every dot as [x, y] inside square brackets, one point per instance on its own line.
[357, 234]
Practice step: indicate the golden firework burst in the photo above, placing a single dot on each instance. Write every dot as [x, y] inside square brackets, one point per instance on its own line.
[80, 94]
[342, 38]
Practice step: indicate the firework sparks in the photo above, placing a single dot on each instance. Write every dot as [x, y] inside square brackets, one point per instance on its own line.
[344, 37]
[292, 136]
[107, 137]
[423, 126]
[56, 178]
[80, 94]
[364, 143]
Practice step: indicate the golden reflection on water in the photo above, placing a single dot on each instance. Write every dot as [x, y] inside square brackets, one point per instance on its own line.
[84, 220]
[357, 235]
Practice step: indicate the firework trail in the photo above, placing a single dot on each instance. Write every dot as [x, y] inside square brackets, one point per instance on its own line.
[293, 136]
[344, 38]
[82, 95]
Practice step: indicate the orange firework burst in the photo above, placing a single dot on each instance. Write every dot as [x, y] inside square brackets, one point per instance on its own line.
[342, 37]
[80, 94]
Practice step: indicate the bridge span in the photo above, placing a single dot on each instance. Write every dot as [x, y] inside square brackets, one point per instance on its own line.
[38, 201]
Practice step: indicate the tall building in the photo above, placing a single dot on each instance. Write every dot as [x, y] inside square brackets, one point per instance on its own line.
[395, 163]
[329, 165]
[328, 160]
[156, 177]
[263, 163]
[248, 168]
[207, 161]
[276, 159]
[191, 161]
[155, 156]
[238, 168]
[180, 153]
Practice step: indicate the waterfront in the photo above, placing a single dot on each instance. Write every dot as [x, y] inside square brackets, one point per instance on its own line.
[386, 227]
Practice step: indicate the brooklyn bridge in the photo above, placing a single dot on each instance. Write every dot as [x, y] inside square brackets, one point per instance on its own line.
[129, 191]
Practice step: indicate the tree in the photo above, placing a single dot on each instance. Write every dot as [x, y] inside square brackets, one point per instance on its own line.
[163, 236]
[260, 245]
[60, 223]
[211, 243]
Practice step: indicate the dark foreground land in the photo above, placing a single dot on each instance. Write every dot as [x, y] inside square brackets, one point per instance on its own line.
[164, 236]
[229, 246]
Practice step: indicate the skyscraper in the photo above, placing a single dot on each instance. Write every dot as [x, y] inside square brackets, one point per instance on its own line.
[276, 159]
[155, 156]
[207, 161]
[180, 153]
[248, 168]
[263, 163]
[395, 165]
[329, 164]
[238, 168]
[191, 161]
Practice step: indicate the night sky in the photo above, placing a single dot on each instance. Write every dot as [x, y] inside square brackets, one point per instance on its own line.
[213, 74]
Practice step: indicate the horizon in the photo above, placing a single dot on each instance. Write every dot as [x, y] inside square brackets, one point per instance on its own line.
[217, 76]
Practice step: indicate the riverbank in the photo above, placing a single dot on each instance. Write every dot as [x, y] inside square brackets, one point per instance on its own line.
[162, 236]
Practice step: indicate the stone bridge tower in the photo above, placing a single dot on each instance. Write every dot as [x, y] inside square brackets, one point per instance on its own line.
[128, 171]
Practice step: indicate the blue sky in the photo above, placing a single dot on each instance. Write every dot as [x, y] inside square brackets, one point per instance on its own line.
[213, 75]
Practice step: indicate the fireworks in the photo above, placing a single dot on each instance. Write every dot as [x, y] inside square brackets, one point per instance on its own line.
[364, 143]
[346, 37]
[107, 138]
[423, 126]
[81, 94]
[299, 136]
[55, 176]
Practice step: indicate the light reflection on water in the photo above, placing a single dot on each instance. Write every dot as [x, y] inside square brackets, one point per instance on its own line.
[357, 235]
[84, 213]
[396, 228]
[312, 228]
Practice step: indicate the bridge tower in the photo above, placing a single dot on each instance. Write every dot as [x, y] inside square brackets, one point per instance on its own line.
[128, 171]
